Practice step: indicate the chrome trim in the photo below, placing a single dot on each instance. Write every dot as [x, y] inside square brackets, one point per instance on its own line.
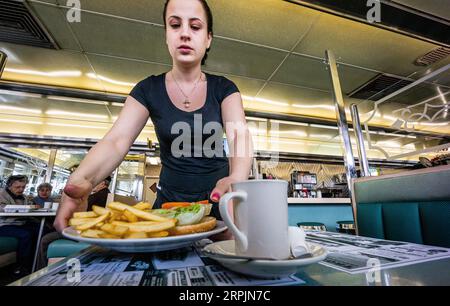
[3, 59]
[51, 165]
[341, 118]
[363, 162]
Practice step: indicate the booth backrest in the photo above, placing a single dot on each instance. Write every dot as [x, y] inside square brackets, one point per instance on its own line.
[411, 206]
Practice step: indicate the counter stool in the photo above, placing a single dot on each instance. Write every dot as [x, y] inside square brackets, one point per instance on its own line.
[312, 226]
[346, 227]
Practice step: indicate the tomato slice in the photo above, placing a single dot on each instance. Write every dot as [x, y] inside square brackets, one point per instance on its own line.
[169, 205]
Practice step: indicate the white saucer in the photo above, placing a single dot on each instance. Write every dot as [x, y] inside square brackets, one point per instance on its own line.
[145, 245]
[262, 268]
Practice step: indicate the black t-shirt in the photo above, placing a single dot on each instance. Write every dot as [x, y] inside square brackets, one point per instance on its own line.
[198, 129]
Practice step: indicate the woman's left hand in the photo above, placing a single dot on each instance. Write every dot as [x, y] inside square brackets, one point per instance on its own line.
[222, 186]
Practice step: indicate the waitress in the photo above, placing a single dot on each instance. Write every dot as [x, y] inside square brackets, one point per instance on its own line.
[190, 111]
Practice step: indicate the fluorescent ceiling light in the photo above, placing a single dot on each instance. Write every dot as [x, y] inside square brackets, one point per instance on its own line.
[78, 100]
[21, 109]
[108, 80]
[256, 119]
[78, 126]
[265, 101]
[20, 121]
[64, 113]
[289, 122]
[296, 133]
[63, 73]
[329, 107]
[19, 93]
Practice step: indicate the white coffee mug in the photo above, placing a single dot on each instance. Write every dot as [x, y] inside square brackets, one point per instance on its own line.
[47, 205]
[260, 224]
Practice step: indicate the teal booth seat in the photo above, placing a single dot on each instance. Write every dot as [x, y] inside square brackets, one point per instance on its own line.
[412, 206]
[8, 246]
[63, 248]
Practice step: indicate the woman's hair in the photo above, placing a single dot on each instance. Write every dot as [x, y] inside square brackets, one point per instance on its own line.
[45, 185]
[209, 21]
[16, 178]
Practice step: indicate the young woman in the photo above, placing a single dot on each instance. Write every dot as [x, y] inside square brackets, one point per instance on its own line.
[187, 107]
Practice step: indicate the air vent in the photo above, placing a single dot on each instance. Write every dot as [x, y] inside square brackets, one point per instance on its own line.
[19, 26]
[432, 57]
[379, 87]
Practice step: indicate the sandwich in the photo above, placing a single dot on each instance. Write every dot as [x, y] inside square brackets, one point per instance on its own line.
[191, 217]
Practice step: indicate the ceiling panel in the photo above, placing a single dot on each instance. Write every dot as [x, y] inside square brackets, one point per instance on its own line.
[300, 101]
[112, 36]
[45, 66]
[303, 71]
[240, 59]
[247, 86]
[272, 23]
[55, 22]
[146, 10]
[119, 75]
[438, 8]
[364, 45]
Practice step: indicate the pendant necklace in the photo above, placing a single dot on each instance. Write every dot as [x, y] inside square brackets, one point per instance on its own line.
[186, 102]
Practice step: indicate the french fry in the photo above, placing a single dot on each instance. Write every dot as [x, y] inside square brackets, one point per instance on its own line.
[143, 206]
[92, 223]
[109, 236]
[116, 230]
[157, 227]
[85, 214]
[91, 233]
[130, 217]
[100, 210]
[114, 215]
[79, 221]
[158, 234]
[139, 213]
[140, 235]
[122, 223]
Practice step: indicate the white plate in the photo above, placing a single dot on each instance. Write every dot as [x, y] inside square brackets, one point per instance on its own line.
[145, 245]
[263, 268]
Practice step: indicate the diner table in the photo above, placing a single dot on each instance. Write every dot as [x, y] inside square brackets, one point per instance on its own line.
[40, 213]
[351, 261]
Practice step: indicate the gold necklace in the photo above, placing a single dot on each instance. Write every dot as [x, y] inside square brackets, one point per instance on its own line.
[186, 102]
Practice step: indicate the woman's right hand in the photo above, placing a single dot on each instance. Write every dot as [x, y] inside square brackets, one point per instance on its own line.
[73, 199]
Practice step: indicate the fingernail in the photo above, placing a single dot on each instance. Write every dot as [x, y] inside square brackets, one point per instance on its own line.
[215, 196]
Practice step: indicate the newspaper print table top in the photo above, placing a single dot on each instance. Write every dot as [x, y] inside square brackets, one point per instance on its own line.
[352, 260]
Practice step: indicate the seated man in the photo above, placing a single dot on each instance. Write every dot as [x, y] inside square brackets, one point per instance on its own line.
[24, 231]
[98, 197]
[44, 194]
[99, 194]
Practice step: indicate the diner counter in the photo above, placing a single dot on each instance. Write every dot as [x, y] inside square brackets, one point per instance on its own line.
[319, 201]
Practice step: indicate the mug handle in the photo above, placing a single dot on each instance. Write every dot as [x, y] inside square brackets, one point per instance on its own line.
[223, 208]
